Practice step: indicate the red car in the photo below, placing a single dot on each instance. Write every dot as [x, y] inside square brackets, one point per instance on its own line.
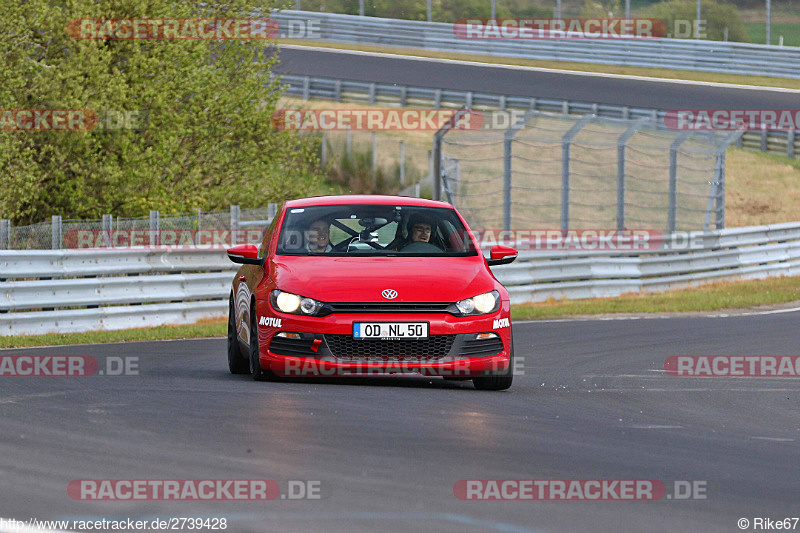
[364, 285]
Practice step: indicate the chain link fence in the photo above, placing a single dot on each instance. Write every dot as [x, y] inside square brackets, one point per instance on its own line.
[562, 171]
[235, 226]
[384, 162]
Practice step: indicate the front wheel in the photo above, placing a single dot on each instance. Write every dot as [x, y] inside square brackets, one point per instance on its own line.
[259, 374]
[237, 363]
[498, 380]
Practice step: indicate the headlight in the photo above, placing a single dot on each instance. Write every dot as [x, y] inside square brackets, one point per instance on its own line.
[479, 305]
[287, 302]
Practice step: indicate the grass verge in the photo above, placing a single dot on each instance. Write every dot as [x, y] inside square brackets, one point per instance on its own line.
[712, 297]
[727, 295]
[209, 328]
[654, 72]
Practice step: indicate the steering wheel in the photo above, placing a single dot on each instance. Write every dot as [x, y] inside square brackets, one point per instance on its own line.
[420, 247]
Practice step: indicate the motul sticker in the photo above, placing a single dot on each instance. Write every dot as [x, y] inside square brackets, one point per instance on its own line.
[270, 322]
[500, 323]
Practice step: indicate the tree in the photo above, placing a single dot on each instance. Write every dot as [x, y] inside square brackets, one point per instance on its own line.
[204, 137]
[718, 16]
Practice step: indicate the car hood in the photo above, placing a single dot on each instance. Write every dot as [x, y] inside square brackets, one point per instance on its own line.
[362, 279]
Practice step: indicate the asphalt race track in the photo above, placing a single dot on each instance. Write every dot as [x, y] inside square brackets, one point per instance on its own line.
[612, 90]
[594, 403]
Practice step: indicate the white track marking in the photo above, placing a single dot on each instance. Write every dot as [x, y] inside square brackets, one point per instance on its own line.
[660, 317]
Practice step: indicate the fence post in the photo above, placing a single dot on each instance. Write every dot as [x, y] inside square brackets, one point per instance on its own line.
[435, 156]
[720, 200]
[108, 222]
[235, 214]
[5, 234]
[403, 95]
[372, 93]
[790, 144]
[468, 100]
[337, 88]
[155, 222]
[437, 99]
[402, 163]
[55, 228]
[621, 142]
[508, 140]
[673, 180]
[306, 87]
[764, 134]
[434, 175]
[199, 228]
[565, 142]
[374, 159]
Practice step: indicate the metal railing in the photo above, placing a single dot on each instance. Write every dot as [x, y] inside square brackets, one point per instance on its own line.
[307, 87]
[151, 230]
[683, 54]
[65, 291]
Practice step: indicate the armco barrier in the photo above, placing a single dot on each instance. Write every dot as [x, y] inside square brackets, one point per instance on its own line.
[684, 54]
[81, 290]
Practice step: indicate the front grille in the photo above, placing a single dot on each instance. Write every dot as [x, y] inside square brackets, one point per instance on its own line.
[481, 347]
[389, 307]
[433, 346]
[297, 347]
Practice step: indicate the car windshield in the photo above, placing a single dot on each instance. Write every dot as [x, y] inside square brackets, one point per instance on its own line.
[384, 230]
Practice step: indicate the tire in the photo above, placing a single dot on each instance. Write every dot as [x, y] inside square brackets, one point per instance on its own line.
[237, 363]
[259, 374]
[498, 380]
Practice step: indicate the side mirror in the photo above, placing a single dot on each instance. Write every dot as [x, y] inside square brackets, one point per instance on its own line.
[245, 254]
[501, 255]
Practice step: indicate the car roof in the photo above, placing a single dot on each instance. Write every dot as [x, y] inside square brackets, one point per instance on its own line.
[365, 199]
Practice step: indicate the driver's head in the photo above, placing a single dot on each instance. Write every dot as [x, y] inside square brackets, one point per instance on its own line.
[318, 235]
[420, 228]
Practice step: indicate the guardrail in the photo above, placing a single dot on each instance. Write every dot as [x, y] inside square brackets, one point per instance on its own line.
[80, 290]
[104, 289]
[307, 87]
[683, 54]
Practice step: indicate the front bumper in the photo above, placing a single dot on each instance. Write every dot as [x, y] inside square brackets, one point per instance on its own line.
[324, 346]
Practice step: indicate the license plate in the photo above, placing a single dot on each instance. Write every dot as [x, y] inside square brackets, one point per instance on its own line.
[390, 330]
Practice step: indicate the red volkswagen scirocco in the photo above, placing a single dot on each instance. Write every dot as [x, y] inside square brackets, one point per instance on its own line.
[364, 285]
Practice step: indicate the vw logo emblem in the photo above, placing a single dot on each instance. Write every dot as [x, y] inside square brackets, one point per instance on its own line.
[389, 294]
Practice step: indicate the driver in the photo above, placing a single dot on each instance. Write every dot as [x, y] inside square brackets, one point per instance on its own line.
[318, 239]
[419, 229]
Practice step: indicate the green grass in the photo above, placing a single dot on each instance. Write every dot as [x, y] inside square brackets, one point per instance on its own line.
[758, 32]
[713, 297]
[204, 329]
